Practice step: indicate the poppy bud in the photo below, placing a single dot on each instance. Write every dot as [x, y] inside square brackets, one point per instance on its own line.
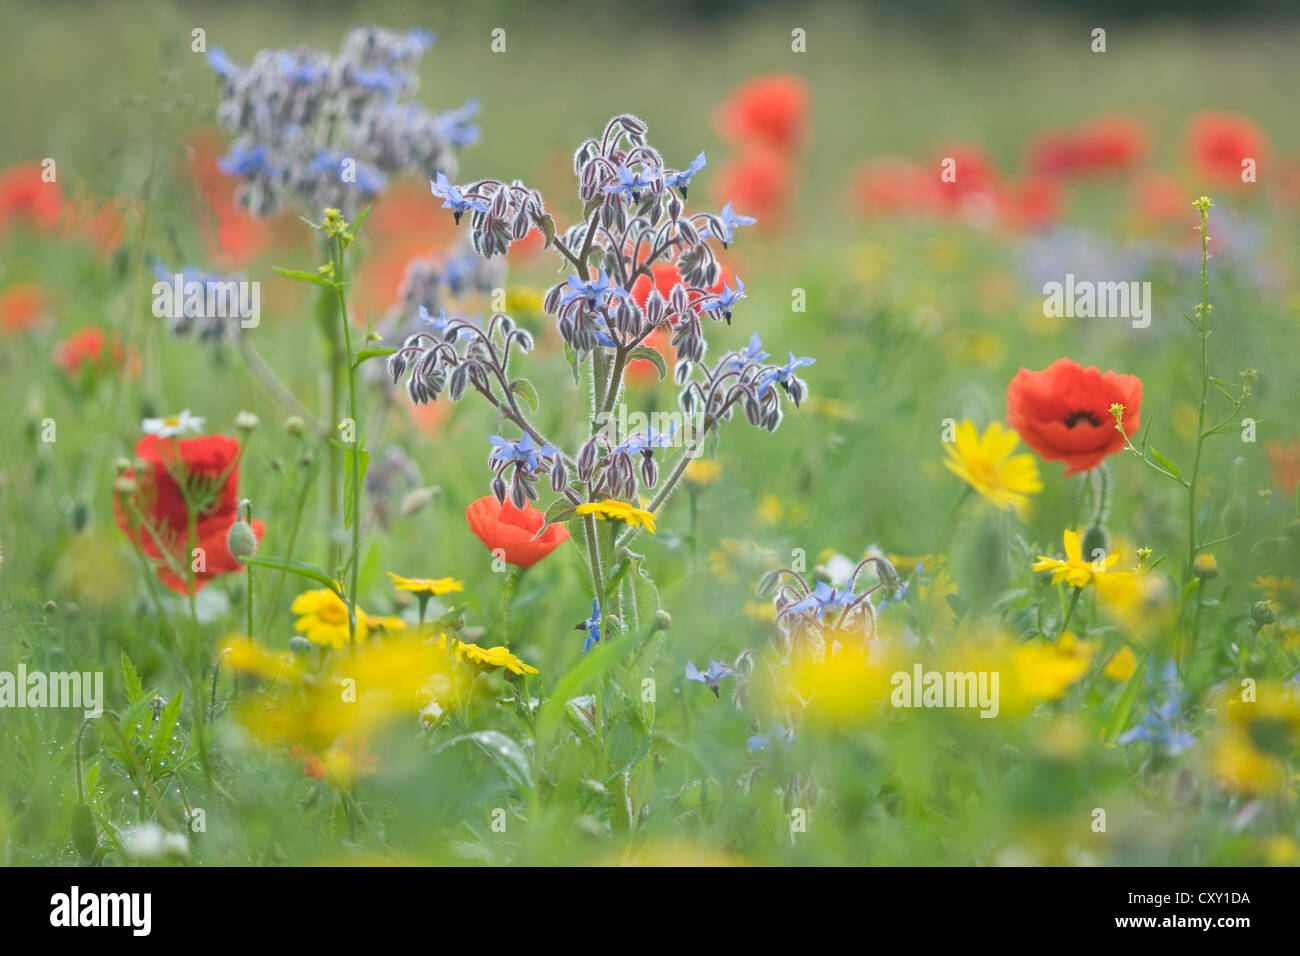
[299, 644]
[1096, 539]
[241, 541]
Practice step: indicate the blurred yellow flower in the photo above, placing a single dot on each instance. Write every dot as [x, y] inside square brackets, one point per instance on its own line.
[435, 587]
[323, 619]
[702, 471]
[843, 687]
[1259, 736]
[1074, 570]
[986, 464]
[1122, 665]
[614, 510]
[247, 656]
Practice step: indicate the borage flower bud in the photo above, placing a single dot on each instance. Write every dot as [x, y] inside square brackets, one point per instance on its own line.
[649, 472]
[459, 378]
[518, 490]
[499, 489]
[587, 460]
[559, 476]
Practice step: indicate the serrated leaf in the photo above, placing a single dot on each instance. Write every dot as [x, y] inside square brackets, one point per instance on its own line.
[131, 677]
[652, 356]
[162, 731]
[560, 511]
[315, 278]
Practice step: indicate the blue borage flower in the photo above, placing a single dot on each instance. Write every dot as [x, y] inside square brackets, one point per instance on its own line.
[184, 320]
[648, 441]
[454, 199]
[681, 180]
[521, 452]
[441, 323]
[785, 377]
[634, 184]
[726, 299]
[822, 599]
[712, 677]
[726, 221]
[1161, 725]
[592, 290]
[592, 626]
[287, 107]
[777, 733]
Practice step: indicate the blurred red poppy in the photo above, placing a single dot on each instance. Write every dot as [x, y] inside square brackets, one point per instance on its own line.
[890, 185]
[768, 110]
[508, 529]
[27, 198]
[1063, 412]
[233, 236]
[85, 351]
[1104, 145]
[21, 305]
[1286, 466]
[758, 182]
[1221, 142]
[209, 468]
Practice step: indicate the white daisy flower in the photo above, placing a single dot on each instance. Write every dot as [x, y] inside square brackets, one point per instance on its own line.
[173, 425]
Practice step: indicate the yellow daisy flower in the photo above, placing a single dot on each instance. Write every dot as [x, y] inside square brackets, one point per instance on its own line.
[435, 587]
[487, 656]
[1074, 570]
[614, 510]
[323, 619]
[986, 464]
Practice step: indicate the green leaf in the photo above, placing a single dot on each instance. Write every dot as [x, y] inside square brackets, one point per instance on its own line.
[162, 731]
[571, 357]
[593, 664]
[315, 278]
[300, 568]
[134, 689]
[1124, 706]
[366, 354]
[1165, 463]
[653, 356]
[547, 225]
[505, 751]
[561, 511]
[361, 217]
[524, 389]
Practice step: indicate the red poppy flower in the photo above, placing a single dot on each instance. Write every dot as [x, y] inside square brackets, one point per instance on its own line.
[1219, 142]
[1104, 145]
[505, 527]
[21, 304]
[1159, 199]
[232, 235]
[1033, 202]
[768, 110]
[26, 197]
[1063, 412]
[208, 465]
[758, 182]
[84, 350]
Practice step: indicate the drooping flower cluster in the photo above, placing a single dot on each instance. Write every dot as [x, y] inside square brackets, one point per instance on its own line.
[635, 225]
[328, 131]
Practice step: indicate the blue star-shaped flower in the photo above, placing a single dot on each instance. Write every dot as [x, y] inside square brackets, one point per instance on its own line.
[785, 377]
[729, 220]
[726, 299]
[710, 678]
[523, 452]
[682, 180]
[454, 199]
[593, 290]
[823, 598]
[634, 184]
[592, 626]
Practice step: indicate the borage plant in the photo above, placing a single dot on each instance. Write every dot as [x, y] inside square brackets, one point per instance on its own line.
[634, 217]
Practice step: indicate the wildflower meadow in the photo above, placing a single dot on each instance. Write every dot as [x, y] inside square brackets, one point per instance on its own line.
[531, 436]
